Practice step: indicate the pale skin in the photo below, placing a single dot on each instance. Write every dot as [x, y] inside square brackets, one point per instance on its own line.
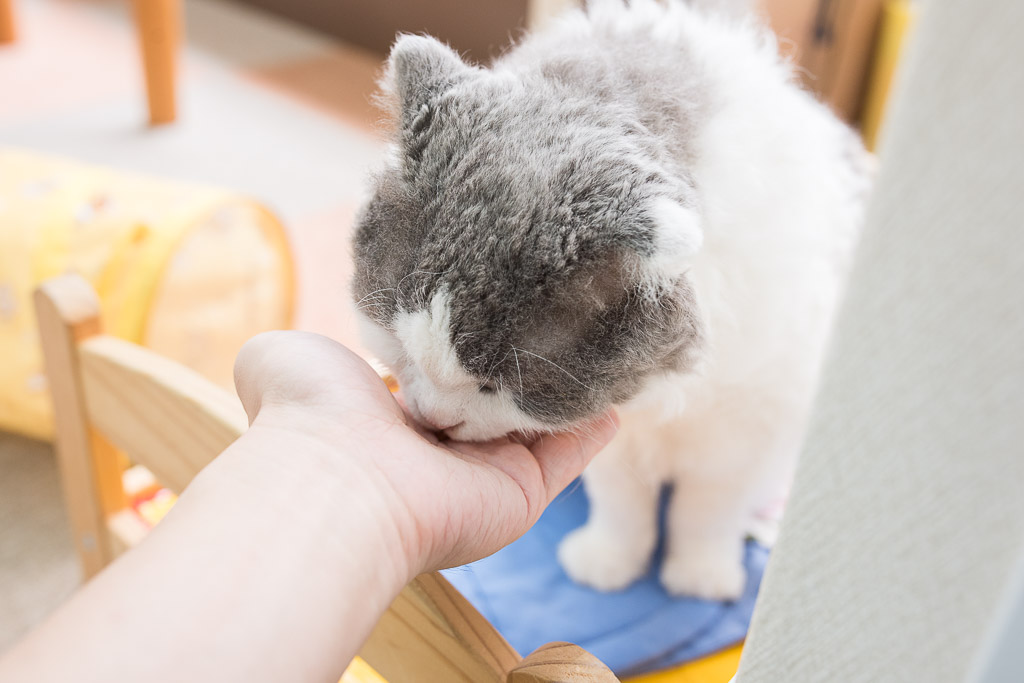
[282, 554]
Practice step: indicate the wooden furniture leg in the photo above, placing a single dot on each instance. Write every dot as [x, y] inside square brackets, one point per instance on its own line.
[68, 313]
[7, 32]
[159, 28]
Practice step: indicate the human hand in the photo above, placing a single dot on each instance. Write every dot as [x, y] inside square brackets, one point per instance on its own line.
[448, 502]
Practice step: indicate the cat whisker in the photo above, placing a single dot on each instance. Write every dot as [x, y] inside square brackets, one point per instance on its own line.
[398, 287]
[495, 364]
[378, 292]
[461, 337]
[632, 470]
[574, 487]
[570, 375]
[371, 304]
[518, 370]
[370, 300]
[588, 432]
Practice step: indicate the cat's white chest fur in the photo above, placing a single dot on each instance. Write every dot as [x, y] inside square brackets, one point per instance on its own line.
[780, 206]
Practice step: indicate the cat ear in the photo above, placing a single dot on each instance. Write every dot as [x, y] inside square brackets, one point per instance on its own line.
[419, 68]
[678, 237]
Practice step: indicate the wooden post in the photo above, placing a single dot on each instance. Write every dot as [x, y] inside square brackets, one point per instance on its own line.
[560, 662]
[159, 28]
[432, 634]
[7, 30]
[68, 312]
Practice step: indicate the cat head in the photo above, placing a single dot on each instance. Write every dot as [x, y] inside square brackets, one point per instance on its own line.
[522, 263]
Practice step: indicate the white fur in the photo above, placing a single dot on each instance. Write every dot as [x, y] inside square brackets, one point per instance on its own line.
[677, 240]
[437, 390]
[780, 221]
[766, 252]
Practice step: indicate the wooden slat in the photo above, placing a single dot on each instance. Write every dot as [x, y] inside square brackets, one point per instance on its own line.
[165, 416]
[431, 634]
[107, 464]
[560, 663]
[67, 312]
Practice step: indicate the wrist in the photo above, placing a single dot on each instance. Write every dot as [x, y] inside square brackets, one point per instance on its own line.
[305, 481]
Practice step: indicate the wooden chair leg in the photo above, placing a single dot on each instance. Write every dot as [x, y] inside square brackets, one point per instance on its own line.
[68, 312]
[7, 31]
[159, 27]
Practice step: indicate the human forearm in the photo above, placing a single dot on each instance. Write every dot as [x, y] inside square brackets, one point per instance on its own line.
[278, 537]
[283, 553]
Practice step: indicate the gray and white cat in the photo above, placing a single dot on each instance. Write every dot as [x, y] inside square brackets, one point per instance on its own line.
[635, 207]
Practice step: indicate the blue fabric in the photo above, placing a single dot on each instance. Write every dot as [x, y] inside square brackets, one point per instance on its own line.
[523, 591]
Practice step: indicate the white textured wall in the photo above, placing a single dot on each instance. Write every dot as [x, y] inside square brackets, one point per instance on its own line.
[907, 515]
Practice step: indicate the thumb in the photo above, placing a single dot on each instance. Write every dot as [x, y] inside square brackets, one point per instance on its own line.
[303, 369]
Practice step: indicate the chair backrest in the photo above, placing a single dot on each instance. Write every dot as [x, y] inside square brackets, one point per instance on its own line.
[114, 397]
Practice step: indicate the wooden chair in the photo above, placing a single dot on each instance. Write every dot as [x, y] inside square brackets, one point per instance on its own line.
[114, 397]
[158, 23]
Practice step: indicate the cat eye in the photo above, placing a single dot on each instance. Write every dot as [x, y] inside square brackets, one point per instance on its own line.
[488, 388]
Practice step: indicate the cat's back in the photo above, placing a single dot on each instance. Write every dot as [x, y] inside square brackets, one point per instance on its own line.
[779, 179]
[709, 90]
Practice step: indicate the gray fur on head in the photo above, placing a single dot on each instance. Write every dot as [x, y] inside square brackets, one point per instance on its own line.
[528, 194]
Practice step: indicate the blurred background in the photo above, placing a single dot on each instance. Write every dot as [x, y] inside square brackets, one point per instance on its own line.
[200, 162]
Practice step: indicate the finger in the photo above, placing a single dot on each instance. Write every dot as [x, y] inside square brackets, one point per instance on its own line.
[250, 371]
[510, 458]
[562, 457]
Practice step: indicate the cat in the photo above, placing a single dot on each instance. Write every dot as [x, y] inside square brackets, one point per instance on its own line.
[635, 207]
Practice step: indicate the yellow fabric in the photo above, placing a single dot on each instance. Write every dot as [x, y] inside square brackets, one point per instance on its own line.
[360, 672]
[119, 231]
[897, 19]
[717, 668]
[157, 507]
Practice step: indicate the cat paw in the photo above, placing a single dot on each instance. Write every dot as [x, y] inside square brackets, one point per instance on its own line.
[595, 558]
[704, 575]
